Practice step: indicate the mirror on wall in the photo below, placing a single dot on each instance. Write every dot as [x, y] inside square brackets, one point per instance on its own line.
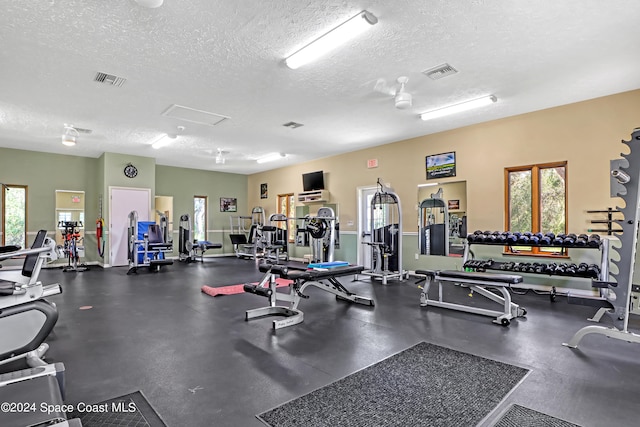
[442, 218]
[164, 206]
[69, 212]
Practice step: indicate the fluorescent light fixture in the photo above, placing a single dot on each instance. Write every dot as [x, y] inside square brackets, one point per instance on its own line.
[163, 141]
[457, 108]
[271, 157]
[151, 4]
[332, 39]
[431, 184]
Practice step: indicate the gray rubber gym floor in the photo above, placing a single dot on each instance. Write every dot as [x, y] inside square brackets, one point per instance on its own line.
[200, 363]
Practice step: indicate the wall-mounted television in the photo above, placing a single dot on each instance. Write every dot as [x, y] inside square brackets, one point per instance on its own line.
[313, 181]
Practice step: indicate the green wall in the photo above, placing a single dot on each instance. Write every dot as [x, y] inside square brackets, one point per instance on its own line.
[182, 184]
[43, 173]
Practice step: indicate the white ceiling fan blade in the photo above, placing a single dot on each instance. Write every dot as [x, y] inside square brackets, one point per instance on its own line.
[382, 87]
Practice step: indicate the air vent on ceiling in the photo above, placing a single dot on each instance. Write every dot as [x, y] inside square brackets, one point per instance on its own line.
[440, 71]
[292, 125]
[194, 116]
[109, 79]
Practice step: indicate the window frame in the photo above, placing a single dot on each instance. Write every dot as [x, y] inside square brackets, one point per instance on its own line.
[535, 205]
[6, 187]
[291, 206]
[206, 214]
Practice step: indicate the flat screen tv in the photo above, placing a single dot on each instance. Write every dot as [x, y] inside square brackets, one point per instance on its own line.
[313, 181]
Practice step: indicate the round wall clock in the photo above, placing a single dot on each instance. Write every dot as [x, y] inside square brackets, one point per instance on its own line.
[130, 171]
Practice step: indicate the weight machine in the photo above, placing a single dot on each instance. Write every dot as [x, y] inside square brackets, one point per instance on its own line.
[275, 238]
[246, 233]
[619, 293]
[148, 243]
[321, 233]
[433, 219]
[71, 249]
[386, 236]
[189, 248]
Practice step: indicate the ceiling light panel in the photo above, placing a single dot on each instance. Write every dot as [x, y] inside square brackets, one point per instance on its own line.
[193, 115]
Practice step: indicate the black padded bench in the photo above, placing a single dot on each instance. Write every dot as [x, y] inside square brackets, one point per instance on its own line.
[301, 278]
[478, 283]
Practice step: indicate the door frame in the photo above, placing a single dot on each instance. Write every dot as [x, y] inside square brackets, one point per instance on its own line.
[111, 188]
[360, 198]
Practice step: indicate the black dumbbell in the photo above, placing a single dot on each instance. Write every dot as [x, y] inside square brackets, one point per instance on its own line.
[534, 240]
[582, 268]
[558, 241]
[545, 240]
[571, 269]
[593, 271]
[511, 239]
[550, 268]
[581, 241]
[569, 240]
[523, 240]
[540, 268]
[560, 269]
[594, 241]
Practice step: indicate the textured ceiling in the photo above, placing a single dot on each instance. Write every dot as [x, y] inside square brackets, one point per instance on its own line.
[226, 57]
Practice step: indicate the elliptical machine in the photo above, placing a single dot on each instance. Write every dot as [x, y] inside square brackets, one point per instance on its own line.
[26, 319]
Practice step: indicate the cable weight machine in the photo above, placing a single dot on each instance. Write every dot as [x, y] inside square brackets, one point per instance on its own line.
[320, 232]
[386, 235]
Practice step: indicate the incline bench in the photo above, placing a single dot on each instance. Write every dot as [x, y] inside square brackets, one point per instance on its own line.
[302, 278]
[477, 282]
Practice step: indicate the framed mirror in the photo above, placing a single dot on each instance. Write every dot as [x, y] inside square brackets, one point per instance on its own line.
[442, 218]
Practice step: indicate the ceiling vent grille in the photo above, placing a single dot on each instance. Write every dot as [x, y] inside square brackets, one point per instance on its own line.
[292, 125]
[109, 79]
[440, 71]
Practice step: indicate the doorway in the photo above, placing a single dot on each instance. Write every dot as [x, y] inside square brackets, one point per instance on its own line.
[122, 202]
[365, 196]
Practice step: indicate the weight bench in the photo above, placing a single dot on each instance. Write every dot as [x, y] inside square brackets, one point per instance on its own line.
[477, 282]
[302, 278]
[202, 246]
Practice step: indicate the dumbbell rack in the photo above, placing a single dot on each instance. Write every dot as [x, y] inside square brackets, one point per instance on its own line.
[619, 293]
[601, 275]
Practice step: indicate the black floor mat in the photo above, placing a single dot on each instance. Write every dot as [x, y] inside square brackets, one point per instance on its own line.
[130, 410]
[519, 416]
[425, 385]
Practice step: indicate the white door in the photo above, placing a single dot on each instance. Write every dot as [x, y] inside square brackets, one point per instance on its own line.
[122, 202]
[365, 195]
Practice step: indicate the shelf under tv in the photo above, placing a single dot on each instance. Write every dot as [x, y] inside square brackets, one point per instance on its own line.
[313, 196]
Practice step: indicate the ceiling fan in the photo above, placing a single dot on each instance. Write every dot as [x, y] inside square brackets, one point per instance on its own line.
[402, 99]
[70, 133]
[220, 159]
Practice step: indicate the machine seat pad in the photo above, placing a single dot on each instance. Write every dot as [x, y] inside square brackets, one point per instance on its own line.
[428, 273]
[5, 249]
[493, 279]
[161, 262]
[204, 245]
[322, 274]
